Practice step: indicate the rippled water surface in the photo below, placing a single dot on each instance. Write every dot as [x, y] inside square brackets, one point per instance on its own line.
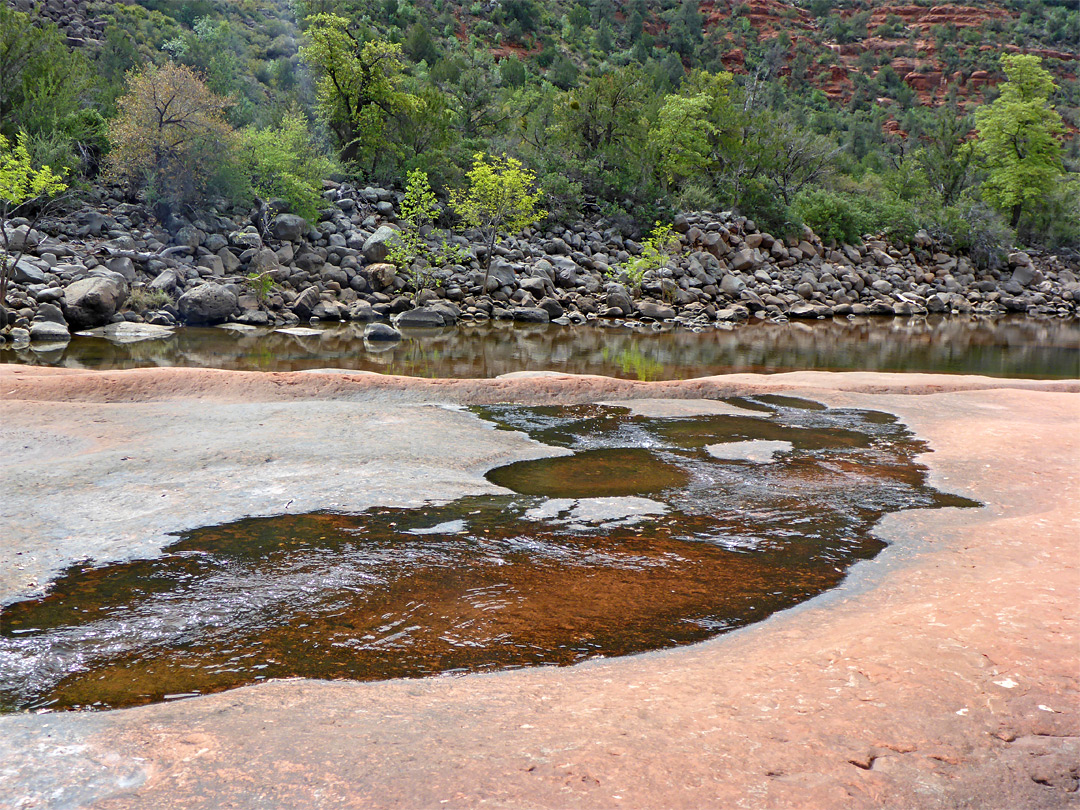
[1009, 347]
[637, 539]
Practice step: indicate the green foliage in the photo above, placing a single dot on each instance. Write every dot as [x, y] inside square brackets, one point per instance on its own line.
[282, 162]
[411, 251]
[1019, 137]
[360, 85]
[170, 136]
[22, 187]
[656, 251]
[681, 135]
[761, 203]
[830, 215]
[501, 198]
[970, 226]
[44, 86]
[1055, 222]
[20, 183]
[261, 284]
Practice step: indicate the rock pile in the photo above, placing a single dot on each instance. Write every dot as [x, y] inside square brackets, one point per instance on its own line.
[114, 262]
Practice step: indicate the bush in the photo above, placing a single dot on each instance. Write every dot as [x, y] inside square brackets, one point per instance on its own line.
[832, 216]
[282, 162]
[972, 227]
[1055, 222]
[763, 205]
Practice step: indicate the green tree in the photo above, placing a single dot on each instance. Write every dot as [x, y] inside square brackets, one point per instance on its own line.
[501, 198]
[283, 162]
[23, 189]
[681, 136]
[656, 251]
[171, 136]
[360, 86]
[945, 156]
[44, 90]
[1019, 137]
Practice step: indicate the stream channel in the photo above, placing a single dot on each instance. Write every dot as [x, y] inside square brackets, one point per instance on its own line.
[648, 533]
[1005, 347]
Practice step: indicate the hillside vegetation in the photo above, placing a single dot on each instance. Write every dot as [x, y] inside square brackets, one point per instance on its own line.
[851, 117]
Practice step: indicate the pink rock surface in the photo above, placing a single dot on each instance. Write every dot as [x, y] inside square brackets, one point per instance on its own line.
[942, 674]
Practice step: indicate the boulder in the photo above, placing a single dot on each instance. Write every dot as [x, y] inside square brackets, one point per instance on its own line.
[552, 307]
[92, 301]
[360, 311]
[381, 331]
[188, 236]
[50, 312]
[535, 286]
[305, 303]
[617, 296]
[743, 260]
[381, 274]
[1025, 274]
[530, 315]
[207, 304]
[379, 243]
[731, 285]
[651, 309]
[327, 311]
[423, 317]
[42, 331]
[166, 281]
[289, 227]
[26, 273]
[122, 265]
[264, 259]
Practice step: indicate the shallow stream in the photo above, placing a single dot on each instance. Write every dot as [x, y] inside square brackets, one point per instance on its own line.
[649, 533]
[1007, 347]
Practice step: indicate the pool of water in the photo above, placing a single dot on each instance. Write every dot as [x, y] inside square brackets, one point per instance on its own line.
[1008, 347]
[651, 533]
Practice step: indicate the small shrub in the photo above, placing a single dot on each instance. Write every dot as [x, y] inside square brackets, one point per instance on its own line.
[972, 227]
[656, 251]
[283, 162]
[262, 284]
[763, 205]
[143, 299]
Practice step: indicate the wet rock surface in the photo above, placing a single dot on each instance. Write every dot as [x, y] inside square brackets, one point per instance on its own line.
[941, 673]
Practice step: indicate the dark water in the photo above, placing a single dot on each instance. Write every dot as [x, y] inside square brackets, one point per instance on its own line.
[554, 576]
[1009, 347]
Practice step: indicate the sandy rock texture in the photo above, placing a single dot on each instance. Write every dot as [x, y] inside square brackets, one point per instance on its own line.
[942, 674]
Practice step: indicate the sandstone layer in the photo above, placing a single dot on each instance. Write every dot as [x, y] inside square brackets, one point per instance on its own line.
[943, 673]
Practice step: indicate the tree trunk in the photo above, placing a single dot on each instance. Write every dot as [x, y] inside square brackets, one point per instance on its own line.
[1015, 216]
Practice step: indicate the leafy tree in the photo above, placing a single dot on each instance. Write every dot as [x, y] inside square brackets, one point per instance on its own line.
[791, 158]
[283, 162]
[44, 86]
[360, 85]
[170, 136]
[1019, 137]
[23, 189]
[681, 135]
[410, 250]
[945, 156]
[602, 126]
[501, 198]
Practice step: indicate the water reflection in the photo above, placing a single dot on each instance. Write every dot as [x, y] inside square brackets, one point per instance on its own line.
[1011, 347]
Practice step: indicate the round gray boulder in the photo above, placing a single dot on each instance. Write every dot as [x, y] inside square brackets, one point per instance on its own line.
[207, 304]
